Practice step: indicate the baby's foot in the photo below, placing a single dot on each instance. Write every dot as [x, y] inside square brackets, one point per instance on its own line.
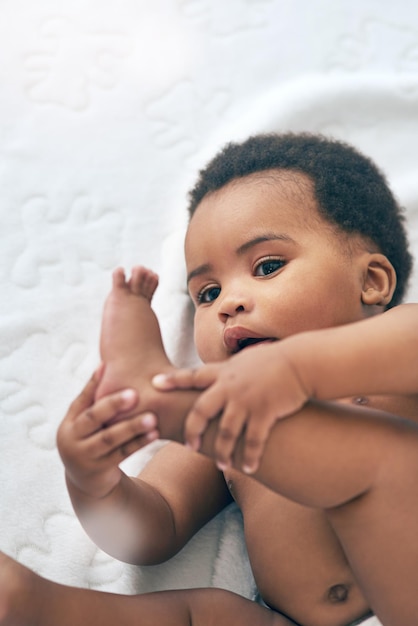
[130, 340]
[132, 350]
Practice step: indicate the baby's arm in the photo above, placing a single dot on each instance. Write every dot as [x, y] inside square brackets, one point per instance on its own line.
[378, 355]
[139, 520]
[264, 383]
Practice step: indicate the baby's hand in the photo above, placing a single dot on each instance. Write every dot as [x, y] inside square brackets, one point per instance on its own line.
[95, 437]
[249, 392]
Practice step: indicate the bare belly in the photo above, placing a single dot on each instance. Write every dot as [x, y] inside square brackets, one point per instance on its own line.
[297, 561]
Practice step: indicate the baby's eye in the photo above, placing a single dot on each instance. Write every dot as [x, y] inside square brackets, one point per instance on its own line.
[269, 266]
[208, 294]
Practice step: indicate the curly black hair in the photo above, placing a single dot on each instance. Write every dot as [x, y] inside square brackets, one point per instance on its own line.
[350, 190]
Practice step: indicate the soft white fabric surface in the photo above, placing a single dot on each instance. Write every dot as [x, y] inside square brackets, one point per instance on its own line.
[107, 110]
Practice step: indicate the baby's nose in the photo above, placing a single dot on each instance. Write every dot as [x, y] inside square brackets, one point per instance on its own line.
[233, 304]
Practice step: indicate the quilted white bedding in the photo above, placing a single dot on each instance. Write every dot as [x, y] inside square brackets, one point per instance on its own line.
[107, 110]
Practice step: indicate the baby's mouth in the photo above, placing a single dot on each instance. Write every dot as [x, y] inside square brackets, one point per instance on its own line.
[250, 341]
[238, 338]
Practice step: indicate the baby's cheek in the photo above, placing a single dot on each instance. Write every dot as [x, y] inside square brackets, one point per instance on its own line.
[208, 343]
[203, 348]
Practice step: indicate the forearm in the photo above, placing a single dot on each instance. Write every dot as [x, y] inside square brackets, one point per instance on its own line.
[375, 356]
[133, 523]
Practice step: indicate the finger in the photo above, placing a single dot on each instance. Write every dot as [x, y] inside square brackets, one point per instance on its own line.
[256, 435]
[200, 378]
[132, 446]
[85, 398]
[118, 437]
[208, 406]
[230, 428]
[104, 410]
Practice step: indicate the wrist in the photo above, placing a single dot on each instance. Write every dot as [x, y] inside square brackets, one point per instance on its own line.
[93, 488]
[299, 351]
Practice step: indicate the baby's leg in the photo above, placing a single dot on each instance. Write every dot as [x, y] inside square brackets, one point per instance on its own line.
[132, 350]
[26, 599]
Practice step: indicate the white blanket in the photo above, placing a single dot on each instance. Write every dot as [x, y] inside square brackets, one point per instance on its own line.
[107, 110]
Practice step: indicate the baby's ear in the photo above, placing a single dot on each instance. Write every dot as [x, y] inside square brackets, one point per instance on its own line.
[379, 280]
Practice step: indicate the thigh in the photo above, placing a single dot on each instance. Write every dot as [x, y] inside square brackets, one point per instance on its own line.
[27, 598]
[218, 607]
[194, 607]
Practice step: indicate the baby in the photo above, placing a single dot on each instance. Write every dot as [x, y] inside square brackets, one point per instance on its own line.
[305, 412]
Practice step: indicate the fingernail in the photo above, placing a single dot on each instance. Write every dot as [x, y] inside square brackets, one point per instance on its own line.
[148, 420]
[161, 381]
[128, 395]
[222, 466]
[249, 469]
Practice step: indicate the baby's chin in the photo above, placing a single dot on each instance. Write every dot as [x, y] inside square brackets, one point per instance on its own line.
[211, 355]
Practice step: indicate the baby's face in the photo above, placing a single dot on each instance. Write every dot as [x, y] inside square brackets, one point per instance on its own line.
[263, 264]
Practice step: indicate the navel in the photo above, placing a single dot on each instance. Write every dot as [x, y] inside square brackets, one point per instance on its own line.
[361, 400]
[338, 593]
